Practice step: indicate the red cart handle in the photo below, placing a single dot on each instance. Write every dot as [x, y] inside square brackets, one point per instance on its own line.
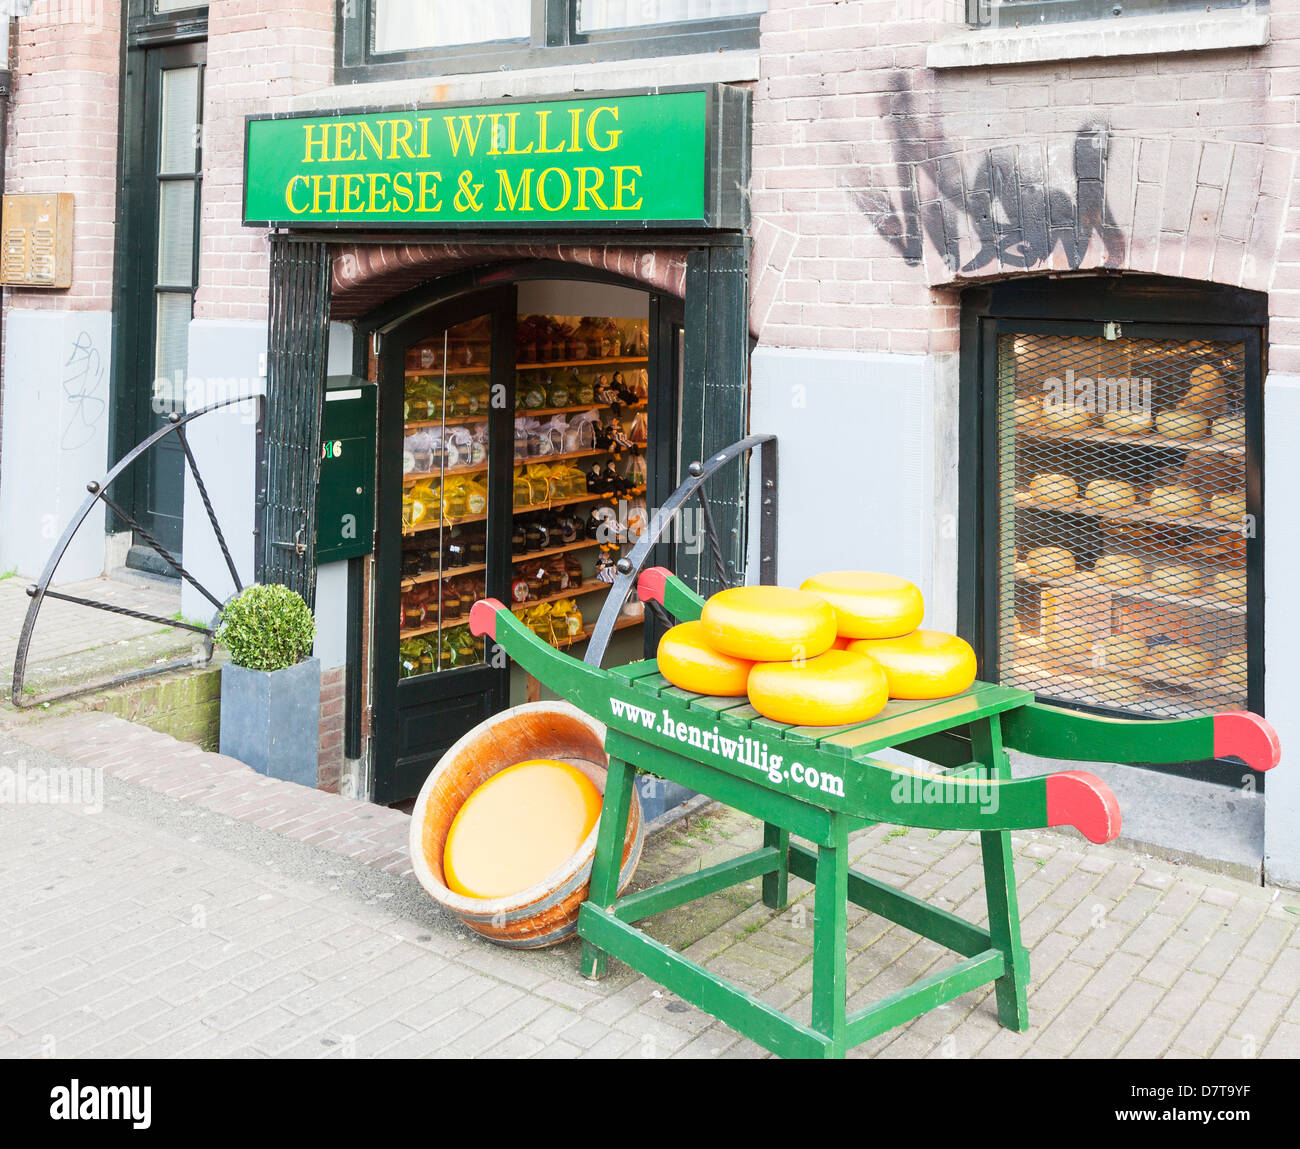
[483, 617]
[650, 584]
[1241, 734]
[1076, 798]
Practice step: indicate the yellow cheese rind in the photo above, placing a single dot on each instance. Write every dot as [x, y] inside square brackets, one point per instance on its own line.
[687, 660]
[768, 623]
[833, 689]
[869, 604]
[923, 664]
[520, 825]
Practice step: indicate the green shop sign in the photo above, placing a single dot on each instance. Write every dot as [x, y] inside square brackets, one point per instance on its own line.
[636, 159]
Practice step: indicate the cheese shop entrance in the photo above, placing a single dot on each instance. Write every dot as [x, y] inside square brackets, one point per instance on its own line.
[525, 430]
[1117, 566]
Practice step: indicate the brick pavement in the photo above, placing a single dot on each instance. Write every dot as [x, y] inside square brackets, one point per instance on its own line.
[210, 912]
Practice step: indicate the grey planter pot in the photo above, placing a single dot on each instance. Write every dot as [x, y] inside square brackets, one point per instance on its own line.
[658, 795]
[271, 719]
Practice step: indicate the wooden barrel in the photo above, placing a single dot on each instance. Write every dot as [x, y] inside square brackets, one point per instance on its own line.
[546, 913]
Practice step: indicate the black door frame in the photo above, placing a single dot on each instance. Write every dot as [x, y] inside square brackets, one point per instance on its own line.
[1144, 306]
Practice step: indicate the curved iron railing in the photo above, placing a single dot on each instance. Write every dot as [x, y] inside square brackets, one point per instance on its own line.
[629, 567]
[40, 590]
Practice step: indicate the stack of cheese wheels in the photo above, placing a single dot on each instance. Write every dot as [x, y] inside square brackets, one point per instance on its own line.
[1050, 562]
[687, 659]
[1126, 421]
[520, 825]
[1176, 499]
[1053, 487]
[868, 604]
[923, 664]
[1112, 494]
[1120, 570]
[1058, 416]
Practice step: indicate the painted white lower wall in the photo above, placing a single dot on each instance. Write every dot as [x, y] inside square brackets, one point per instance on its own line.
[1282, 624]
[867, 454]
[55, 438]
[226, 360]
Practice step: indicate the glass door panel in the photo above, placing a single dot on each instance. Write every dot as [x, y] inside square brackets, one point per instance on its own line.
[445, 459]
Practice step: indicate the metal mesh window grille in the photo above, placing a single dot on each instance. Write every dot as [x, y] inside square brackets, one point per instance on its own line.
[1121, 553]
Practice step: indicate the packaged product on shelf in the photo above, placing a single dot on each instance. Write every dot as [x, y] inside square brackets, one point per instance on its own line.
[639, 432]
[455, 500]
[551, 435]
[475, 496]
[580, 432]
[567, 618]
[529, 392]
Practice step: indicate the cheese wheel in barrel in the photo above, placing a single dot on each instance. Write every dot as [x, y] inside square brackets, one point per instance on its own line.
[868, 604]
[768, 623]
[687, 660]
[1050, 562]
[517, 827]
[1114, 494]
[1175, 499]
[923, 664]
[1051, 487]
[832, 689]
[1120, 570]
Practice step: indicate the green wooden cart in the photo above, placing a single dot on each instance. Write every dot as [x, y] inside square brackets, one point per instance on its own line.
[821, 784]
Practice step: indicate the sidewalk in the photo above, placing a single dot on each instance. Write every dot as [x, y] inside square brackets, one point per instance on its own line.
[210, 912]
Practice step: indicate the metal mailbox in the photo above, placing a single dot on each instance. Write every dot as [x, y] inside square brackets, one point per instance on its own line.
[345, 500]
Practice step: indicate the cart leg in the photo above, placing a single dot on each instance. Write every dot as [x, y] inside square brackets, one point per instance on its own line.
[830, 905]
[1000, 888]
[608, 859]
[776, 884]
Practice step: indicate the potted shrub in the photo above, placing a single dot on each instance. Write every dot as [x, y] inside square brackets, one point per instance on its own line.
[270, 688]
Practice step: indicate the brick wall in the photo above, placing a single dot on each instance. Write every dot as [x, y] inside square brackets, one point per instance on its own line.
[63, 135]
[332, 683]
[260, 53]
[881, 185]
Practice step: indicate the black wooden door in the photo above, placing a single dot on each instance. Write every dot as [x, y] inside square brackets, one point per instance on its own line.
[443, 540]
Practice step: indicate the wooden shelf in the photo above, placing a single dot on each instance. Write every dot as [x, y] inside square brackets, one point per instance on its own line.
[1081, 580]
[532, 556]
[449, 372]
[438, 576]
[449, 421]
[622, 624]
[589, 586]
[1106, 438]
[549, 364]
[1134, 514]
[535, 412]
[436, 524]
[431, 627]
[535, 507]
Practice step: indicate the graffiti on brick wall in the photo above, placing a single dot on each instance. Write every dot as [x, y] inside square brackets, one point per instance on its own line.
[83, 378]
[1016, 204]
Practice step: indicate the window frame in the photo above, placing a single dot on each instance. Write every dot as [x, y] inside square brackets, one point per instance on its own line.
[1058, 13]
[553, 40]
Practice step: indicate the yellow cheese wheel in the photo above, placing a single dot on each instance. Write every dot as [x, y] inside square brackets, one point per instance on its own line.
[1229, 427]
[1114, 688]
[923, 664]
[687, 660]
[1229, 505]
[517, 827]
[868, 604]
[1176, 578]
[1231, 586]
[1182, 423]
[1126, 421]
[832, 689]
[1233, 667]
[1206, 388]
[1053, 488]
[1050, 562]
[1125, 650]
[1113, 494]
[1065, 416]
[1028, 412]
[1182, 660]
[1175, 499]
[768, 623]
[1120, 570]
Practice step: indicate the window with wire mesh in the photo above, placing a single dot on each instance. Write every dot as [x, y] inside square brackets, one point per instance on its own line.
[1122, 549]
